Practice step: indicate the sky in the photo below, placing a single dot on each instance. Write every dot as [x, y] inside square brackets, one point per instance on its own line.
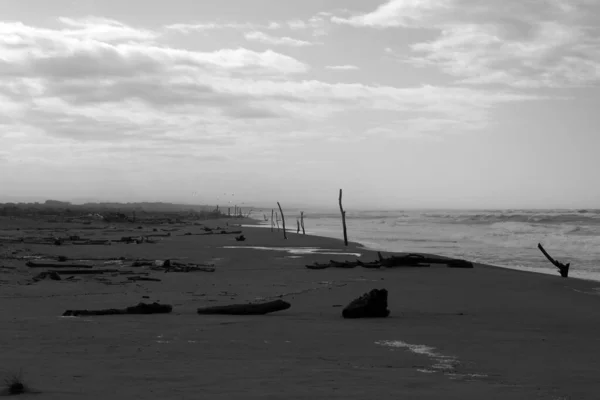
[403, 104]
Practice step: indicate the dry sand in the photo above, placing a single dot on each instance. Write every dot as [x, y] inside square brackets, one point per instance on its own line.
[491, 333]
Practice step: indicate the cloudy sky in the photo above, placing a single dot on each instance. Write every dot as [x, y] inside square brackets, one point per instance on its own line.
[405, 103]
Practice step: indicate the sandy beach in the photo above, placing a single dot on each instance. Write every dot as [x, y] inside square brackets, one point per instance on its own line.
[481, 333]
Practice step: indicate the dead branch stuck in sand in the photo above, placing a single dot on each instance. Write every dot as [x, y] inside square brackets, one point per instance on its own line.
[247, 309]
[343, 219]
[563, 269]
[282, 220]
[302, 222]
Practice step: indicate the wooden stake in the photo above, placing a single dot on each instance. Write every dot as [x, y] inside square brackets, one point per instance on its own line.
[343, 220]
[297, 225]
[272, 222]
[282, 221]
[302, 222]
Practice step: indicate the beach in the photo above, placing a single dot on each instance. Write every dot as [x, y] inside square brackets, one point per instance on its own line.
[485, 332]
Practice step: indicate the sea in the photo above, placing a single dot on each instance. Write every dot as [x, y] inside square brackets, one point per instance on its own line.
[504, 238]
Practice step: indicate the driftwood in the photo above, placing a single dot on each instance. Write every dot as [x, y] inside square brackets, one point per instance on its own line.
[87, 271]
[240, 238]
[47, 275]
[247, 309]
[141, 308]
[282, 220]
[143, 278]
[369, 305]
[343, 219]
[409, 260]
[418, 260]
[47, 264]
[563, 269]
[174, 266]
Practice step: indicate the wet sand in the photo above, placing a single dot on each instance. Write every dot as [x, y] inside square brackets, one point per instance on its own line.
[452, 334]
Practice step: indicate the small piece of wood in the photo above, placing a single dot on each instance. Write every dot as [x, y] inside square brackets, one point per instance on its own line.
[247, 309]
[563, 269]
[343, 219]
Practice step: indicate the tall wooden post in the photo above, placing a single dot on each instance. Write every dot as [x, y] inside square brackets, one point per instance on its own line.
[272, 222]
[282, 221]
[343, 220]
[302, 222]
[297, 225]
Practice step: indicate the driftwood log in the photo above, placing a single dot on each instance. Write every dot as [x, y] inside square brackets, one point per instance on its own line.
[141, 308]
[143, 278]
[87, 271]
[48, 264]
[409, 260]
[247, 309]
[563, 269]
[369, 305]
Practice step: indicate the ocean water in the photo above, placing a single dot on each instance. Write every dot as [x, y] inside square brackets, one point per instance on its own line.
[505, 238]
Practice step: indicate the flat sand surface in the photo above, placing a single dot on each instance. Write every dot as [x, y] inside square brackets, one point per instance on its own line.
[482, 333]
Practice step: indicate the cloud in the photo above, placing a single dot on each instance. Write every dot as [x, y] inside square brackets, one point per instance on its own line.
[342, 67]
[77, 97]
[515, 43]
[396, 13]
[318, 24]
[281, 41]
[187, 28]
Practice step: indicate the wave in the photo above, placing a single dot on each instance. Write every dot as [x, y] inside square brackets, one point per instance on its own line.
[536, 218]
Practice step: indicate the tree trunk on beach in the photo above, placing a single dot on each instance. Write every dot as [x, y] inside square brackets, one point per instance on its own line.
[247, 309]
[282, 221]
[343, 220]
[563, 269]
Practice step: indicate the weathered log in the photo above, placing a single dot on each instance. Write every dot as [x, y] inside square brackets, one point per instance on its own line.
[343, 220]
[418, 260]
[282, 221]
[563, 269]
[142, 278]
[86, 271]
[409, 260]
[141, 308]
[369, 305]
[343, 264]
[48, 264]
[247, 309]
[371, 264]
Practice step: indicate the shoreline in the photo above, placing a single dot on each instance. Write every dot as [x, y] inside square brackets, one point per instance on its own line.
[260, 225]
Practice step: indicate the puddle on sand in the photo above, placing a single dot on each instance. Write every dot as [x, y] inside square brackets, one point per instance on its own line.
[297, 250]
[441, 363]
